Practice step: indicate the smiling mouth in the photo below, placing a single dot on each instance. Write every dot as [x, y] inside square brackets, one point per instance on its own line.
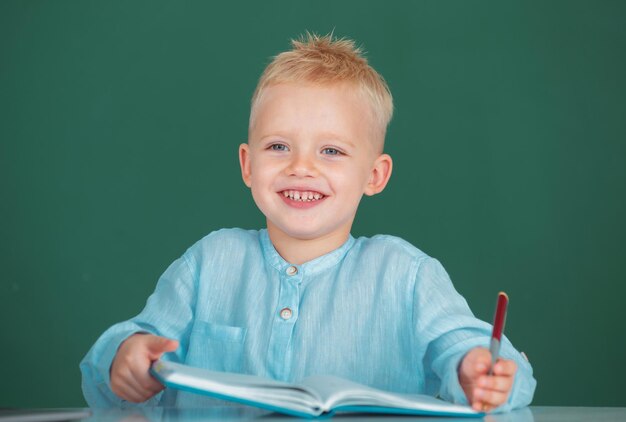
[302, 196]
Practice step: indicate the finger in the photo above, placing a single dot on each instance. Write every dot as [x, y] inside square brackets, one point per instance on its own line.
[133, 396]
[480, 406]
[490, 397]
[146, 382]
[482, 363]
[137, 376]
[126, 391]
[505, 367]
[131, 381]
[142, 381]
[497, 383]
[119, 383]
[486, 408]
[140, 394]
[158, 345]
[132, 378]
[476, 362]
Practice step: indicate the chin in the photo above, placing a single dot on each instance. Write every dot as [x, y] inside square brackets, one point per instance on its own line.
[302, 234]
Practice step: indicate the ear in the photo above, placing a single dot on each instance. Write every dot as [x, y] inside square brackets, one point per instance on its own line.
[381, 172]
[244, 162]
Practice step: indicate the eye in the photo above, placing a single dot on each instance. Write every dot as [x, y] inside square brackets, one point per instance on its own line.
[278, 147]
[331, 151]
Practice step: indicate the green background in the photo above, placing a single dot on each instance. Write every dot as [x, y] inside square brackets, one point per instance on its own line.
[120, 122]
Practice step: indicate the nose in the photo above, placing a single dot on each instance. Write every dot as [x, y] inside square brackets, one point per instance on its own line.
[302, 165]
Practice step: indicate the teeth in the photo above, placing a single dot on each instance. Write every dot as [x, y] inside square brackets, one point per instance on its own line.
[306, 196]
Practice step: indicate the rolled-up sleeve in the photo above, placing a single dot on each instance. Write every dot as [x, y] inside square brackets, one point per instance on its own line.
[447, 329]
[168, 313]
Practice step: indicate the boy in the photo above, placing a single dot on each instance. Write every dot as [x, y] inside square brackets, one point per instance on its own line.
[303, 296]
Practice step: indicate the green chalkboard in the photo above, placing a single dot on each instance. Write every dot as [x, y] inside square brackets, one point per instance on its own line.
[119, 127]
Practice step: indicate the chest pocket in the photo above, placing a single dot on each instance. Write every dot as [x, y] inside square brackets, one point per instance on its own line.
[216, 347]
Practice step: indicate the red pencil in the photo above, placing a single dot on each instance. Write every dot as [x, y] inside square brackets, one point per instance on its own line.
[498, 328]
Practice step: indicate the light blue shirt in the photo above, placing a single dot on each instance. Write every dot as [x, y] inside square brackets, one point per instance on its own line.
[377, 311]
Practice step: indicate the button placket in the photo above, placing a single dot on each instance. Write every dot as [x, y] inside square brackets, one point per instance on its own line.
[284, 322]
[288, 310]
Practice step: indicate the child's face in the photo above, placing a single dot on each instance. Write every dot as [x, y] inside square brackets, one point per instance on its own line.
[312, 154]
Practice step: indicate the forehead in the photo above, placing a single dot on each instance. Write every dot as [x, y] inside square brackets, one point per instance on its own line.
[309, 108]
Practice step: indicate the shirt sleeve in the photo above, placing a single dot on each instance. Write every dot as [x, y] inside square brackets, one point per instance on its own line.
[447, 329]
[168, 313]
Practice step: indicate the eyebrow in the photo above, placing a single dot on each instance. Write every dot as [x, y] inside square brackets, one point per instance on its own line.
[343, 141]
[325, 135]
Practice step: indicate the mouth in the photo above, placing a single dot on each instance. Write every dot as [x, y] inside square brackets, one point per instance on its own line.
[302, 196]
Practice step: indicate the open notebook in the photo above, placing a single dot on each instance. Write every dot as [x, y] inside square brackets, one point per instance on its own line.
[312, 397]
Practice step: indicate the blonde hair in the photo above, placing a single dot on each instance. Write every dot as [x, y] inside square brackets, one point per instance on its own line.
[326, 61]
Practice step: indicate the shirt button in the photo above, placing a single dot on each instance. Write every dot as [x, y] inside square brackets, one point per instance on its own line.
[285, 313]
[292, 270]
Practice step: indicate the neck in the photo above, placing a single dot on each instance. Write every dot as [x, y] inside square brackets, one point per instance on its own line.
[298, 251]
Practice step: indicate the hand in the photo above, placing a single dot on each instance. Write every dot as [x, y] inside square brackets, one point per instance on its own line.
[486, 392]
[130, 379]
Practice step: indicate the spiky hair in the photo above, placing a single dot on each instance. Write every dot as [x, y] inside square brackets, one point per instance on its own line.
[326, 60]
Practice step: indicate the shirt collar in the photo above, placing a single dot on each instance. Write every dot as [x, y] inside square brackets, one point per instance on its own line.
[316, 265]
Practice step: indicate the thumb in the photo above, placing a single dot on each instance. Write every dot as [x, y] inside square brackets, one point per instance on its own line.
[157, 345]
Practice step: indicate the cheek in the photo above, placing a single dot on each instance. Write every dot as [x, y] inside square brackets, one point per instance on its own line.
[352, 182]
[257, 168]
[262, 176]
